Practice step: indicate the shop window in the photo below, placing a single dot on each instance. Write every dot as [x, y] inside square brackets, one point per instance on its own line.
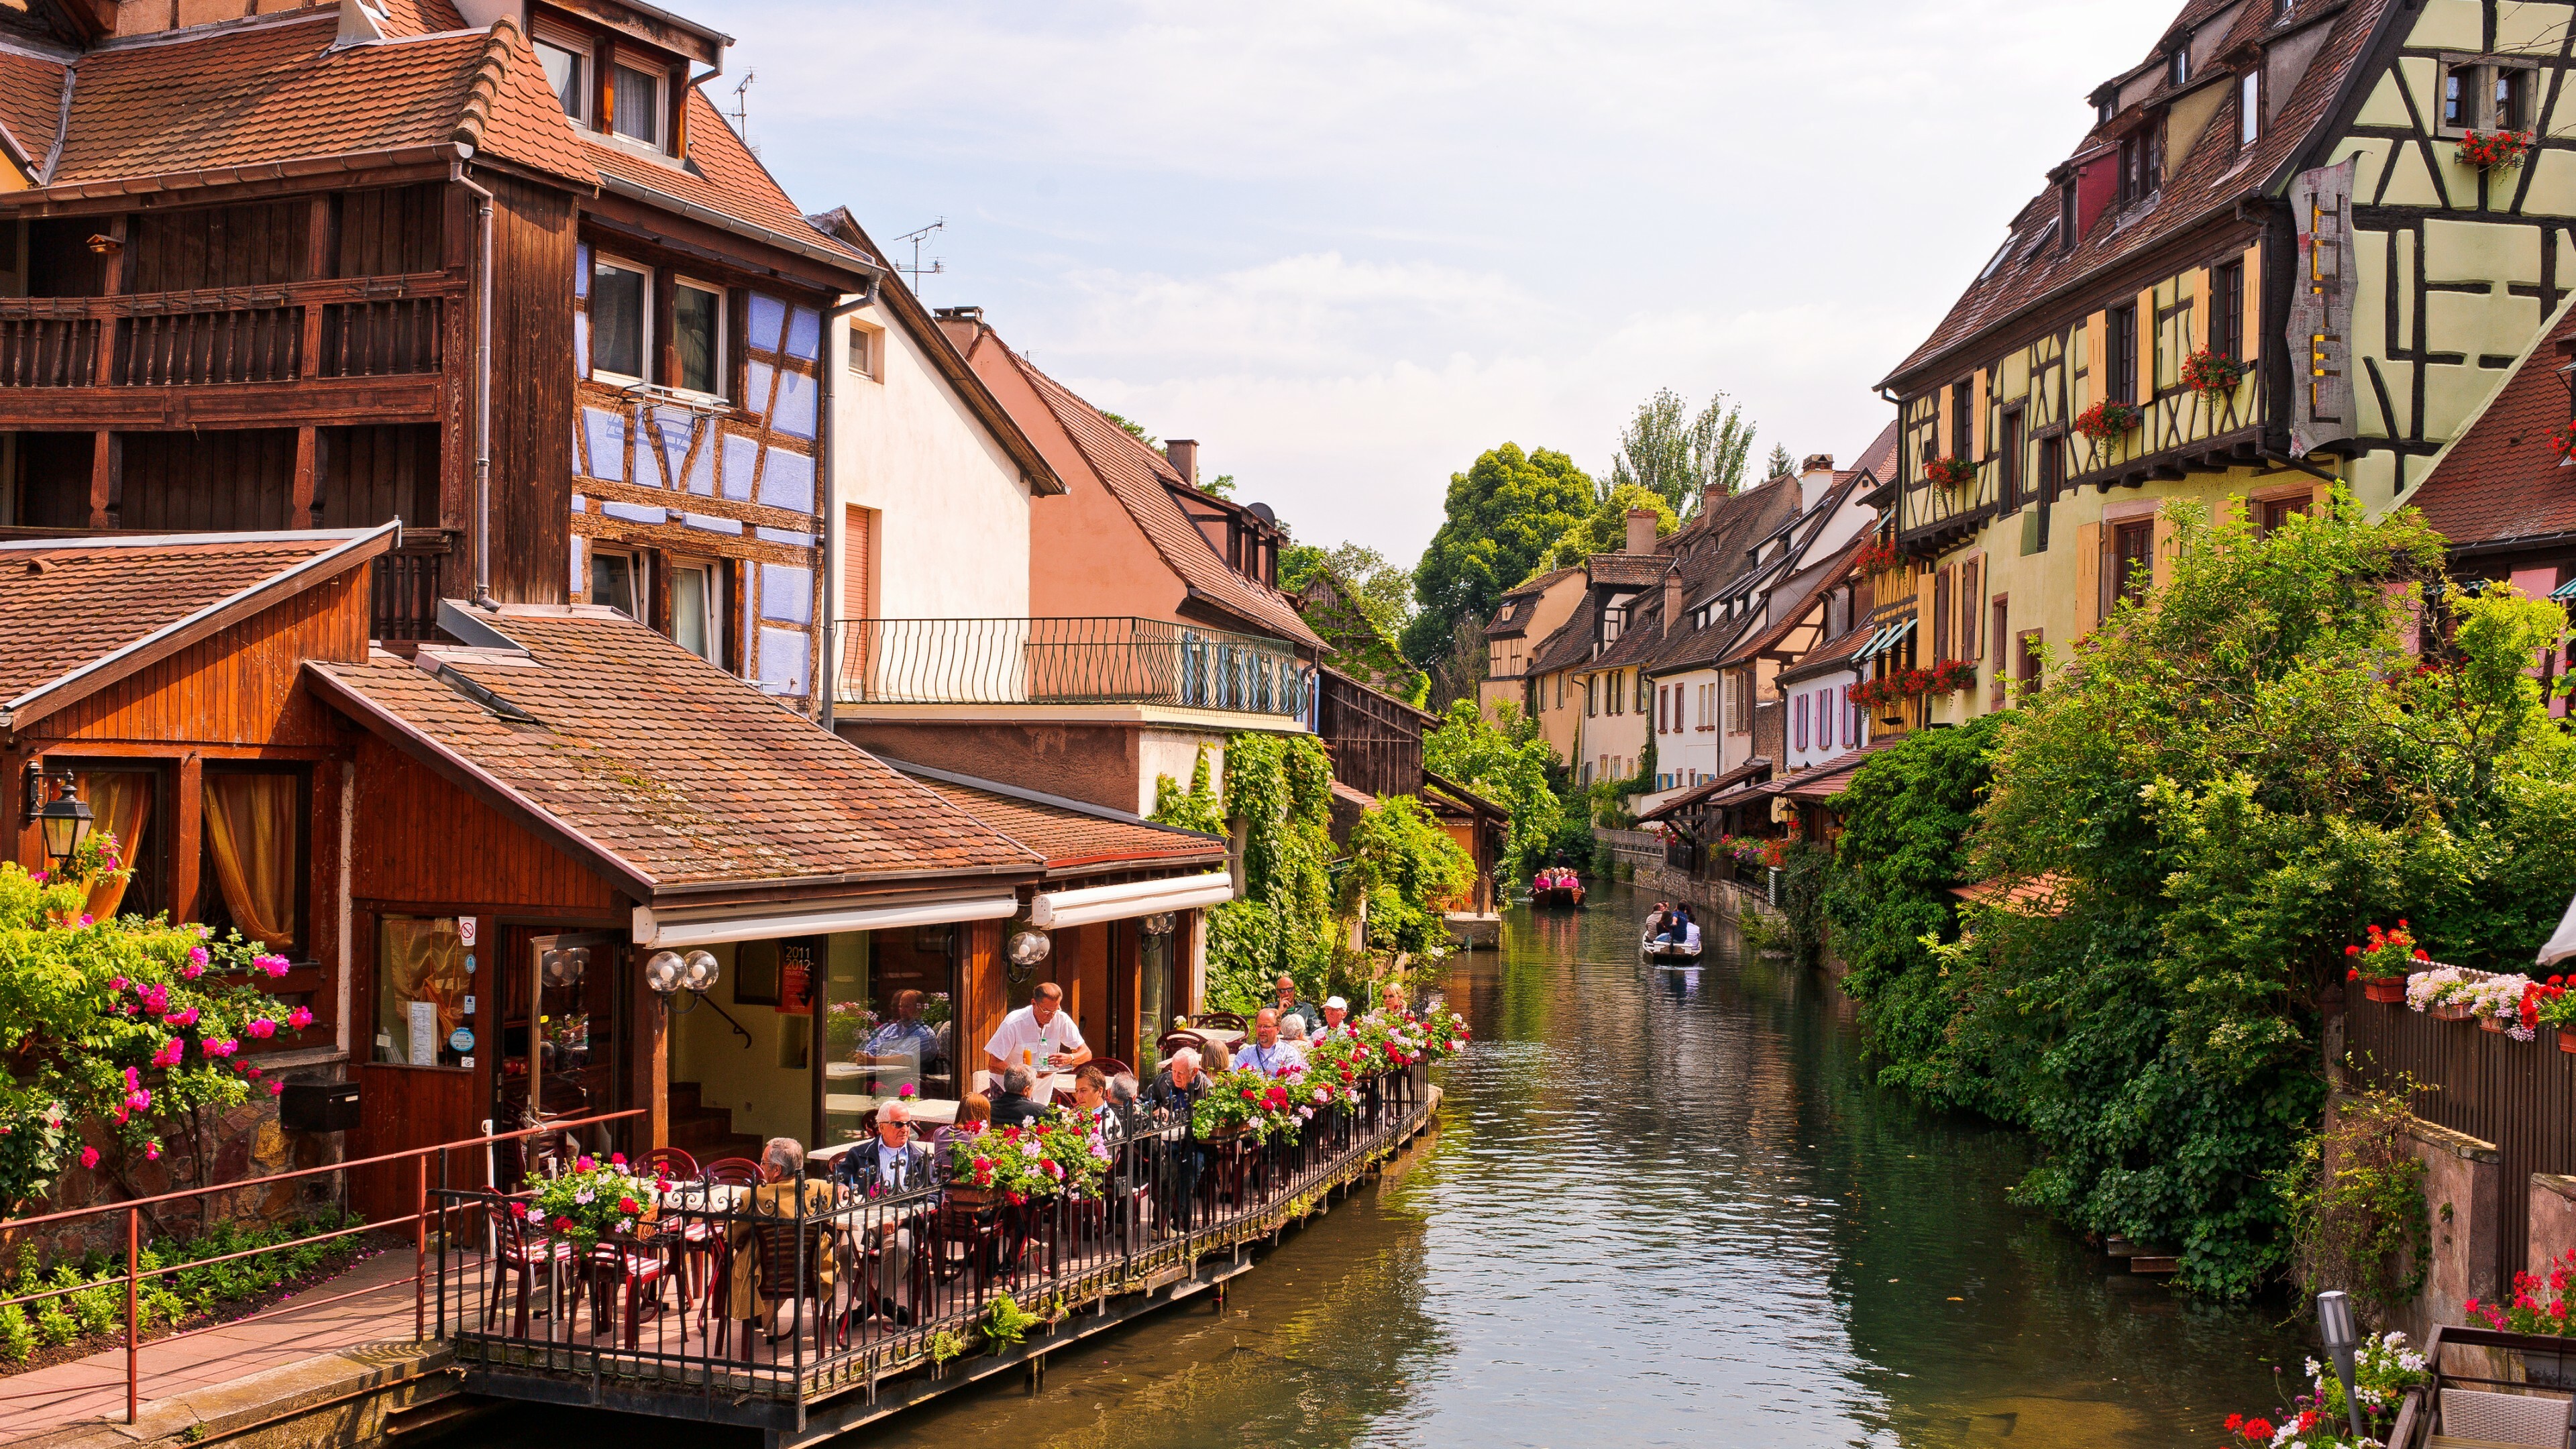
[889, 1006]
[422, 982]
[253, 861]
[697, 331]
[620, 324]
[130, 802]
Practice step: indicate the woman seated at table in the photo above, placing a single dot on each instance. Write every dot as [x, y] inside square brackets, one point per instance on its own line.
[974, 1111]
[784, 1192]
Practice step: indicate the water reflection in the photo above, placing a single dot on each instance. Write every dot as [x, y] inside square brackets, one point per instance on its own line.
[1663, 1207]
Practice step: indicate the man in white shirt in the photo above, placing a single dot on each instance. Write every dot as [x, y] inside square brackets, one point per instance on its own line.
[1265, 1055]
[1040, 1036]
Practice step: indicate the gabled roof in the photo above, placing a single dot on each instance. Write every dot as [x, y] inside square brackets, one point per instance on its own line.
[262, 93]
[78, 614]
[1517, 606]
[1571, 644]
[1790, 601]
[1830, 653]
[1627, 570]
[2501, 478]
[1144, 481]
[2203, 185]
[1759, 765]
[31, 107]
[1072, 835]
[1831, 777]
[721, 176]
[660, 770]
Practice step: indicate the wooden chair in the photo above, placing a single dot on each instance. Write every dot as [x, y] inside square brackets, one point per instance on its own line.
[779, 1283]
[518, 1255]
[1111, 1066]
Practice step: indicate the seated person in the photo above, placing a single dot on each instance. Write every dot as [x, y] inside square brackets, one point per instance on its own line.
[1263, 1054]
[1290, 1004]
[1014, 1106]
[1690, 933]
[1337, 1016]
[784, 1192]
[1123, 1092]
[1657, 919]
[1091, 1104]
[1292, 1037]
[974, 1112]
[890, 1163]
[906, 1041]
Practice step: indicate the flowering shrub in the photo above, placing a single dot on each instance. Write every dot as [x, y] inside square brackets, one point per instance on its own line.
[1050, 1156]
[1261, 1107]
[125, 1025]
[2440, 986]
[1949, 472]
[1335, 1068]
[1444, 1034]
[2526, 1312]
[2493, 150]
[2386, 955]
[2383, 1369]
[2106, 420]
[2212, 372]
[593, 1201]
[1877, 556]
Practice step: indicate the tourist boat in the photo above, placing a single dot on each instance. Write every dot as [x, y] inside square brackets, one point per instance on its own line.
[1668, 953]
[1562, 892]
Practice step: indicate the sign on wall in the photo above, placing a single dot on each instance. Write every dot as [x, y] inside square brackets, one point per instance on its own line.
[2320, 331]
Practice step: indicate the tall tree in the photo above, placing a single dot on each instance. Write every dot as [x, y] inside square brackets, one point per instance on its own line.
[1781, 464]
[1605, 528]
[1383, 589]
[1504, 512]
[1685, 459]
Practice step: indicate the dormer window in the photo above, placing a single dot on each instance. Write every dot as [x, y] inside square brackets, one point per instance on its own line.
[2142, 162]
[637, 106]
[2178, 66]
[2066, 215]
[2104, 108]
[568, 71]
[2249, 108]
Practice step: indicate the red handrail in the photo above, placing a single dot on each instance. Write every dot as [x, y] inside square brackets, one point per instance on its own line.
[419, 1219]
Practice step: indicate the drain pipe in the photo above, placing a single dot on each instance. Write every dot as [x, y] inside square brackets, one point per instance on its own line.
[482, 386]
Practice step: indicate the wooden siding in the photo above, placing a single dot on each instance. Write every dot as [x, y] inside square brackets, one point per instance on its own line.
[1376, 743]
[532, 401]
[373, 475]
[257, 245]
[232, 481]
[986, 996]
[423, 843]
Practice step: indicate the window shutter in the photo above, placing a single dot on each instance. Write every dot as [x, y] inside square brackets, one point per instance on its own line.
[2088, 577]
[1941, 615]
[2163, 559]
[1968, 610]
[858, 554]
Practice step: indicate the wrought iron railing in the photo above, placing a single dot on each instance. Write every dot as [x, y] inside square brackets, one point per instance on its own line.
[738, 1300]
[1066, 661]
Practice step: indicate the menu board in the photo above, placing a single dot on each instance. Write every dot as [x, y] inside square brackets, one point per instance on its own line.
[796, 980]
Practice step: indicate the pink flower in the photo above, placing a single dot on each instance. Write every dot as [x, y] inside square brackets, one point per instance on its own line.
[273, 965]
[138, 1099]
[223, 1048]
[262, 1027]
[276, 1087]
[152, 1153]
[89, 1157]
[133, 1079]
[170, 1053]
[116, 983]
[299, 1018]
[618, 1159]
[197, 954]
[584, 1164]
[85, 919]
[181, 1018]
[251, 1072]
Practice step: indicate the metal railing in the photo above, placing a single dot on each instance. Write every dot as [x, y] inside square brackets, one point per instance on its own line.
[1066, 661]
[424, 1182]
[721, 1301]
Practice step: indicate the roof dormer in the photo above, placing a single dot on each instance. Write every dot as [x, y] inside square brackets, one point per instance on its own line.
[622, 70]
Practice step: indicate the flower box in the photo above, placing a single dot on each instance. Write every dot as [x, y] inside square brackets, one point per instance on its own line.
[2388, 989]
[2493, 150]
[2106, 420]
[1949, 472]
[2566, 1040]
[2453, 1011]
[2211, 373]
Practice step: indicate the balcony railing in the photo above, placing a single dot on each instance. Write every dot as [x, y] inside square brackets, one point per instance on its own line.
[354, 327]
[404, 587]
[1066, 662]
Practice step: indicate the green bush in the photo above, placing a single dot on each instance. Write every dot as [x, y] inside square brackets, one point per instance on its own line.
[17, 1335]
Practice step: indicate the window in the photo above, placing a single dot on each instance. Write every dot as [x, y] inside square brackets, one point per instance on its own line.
[2066, 215]
[2459, 97]
[129, 800]
[616, 581]
[2133, 552]
[889, 999]
[2120, 355]
[2512, 86]
[2142, 161]
[1941, 614]
[2249, 108]
[2026, 667]
[697, 327]
[2008, 463]
[253, 863]
[1801, 726]
[620, 323]
[2052, 473]
[421, 986]
[638, 101]
[864, 343]
[1963, 414]
[2273, 514]
[2178, 67]
[697, 610]
[568, 71]
[2105, 106]
[2227, 309]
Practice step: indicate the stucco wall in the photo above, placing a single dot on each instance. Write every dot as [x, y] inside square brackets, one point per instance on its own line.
[952, 520]
[2464, 1193]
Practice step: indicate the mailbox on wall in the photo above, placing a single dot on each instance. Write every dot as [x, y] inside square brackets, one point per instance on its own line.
[318, 1107]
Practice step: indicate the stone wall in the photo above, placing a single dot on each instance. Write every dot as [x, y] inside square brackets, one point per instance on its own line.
[2464, 1196]
[2553, 1219]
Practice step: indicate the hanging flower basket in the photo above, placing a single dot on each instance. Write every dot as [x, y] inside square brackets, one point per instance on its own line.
[2493, 150]
[1949, 472]
[1948, 676]
[1879, 555]
[2564, 441]
[2212, 374]
[2106, 420]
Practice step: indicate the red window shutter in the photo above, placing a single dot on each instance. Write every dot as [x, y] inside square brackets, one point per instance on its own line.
[858, 554]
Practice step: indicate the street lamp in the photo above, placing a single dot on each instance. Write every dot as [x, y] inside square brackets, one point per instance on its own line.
[64, 820]
[669, 973]
[2335, 1326]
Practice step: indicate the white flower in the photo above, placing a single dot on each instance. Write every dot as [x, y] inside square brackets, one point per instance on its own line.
[2313, 1369]
[584, 1196]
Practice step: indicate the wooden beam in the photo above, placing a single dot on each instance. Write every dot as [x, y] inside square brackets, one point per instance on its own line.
[305, 512]
[317, 266]
[103, 502]
[111, 282]
[320, 402]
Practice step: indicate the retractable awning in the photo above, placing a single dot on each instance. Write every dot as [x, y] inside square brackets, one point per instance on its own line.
[1886, 639]
[1055, 910]
[711, 925]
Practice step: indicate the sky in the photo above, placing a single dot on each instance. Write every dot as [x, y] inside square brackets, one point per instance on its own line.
[1349, 245]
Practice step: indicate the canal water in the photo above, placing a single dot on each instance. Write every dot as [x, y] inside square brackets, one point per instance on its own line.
[1660, 1209]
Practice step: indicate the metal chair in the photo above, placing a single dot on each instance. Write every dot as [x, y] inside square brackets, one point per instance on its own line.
[731, 1172]
[779, 1281]
[671, 1162]
[1226, 1020]
[517, 1254]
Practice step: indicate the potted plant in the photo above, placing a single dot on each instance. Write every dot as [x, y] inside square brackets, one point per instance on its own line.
[2106, 420]
[2384, 1369]
[2553, 1007]
[2493, 150]
[1952, 472]
[1051, 1156]
[2212, 374]
[1244, 1103]
[2380, 962]
[593, 1201]
[2446, 992]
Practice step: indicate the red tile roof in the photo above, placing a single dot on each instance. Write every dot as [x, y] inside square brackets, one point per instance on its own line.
[1070, 835]
[420, 17]
[2206, 182]
[273, 92]
[2502, 479]
[1142, 480]
[31, 106]
[660, 766]
[722, 175]
[67, 606]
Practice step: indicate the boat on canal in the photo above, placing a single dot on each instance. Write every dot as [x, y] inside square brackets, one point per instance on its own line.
[1557, 889]
[1675, 954]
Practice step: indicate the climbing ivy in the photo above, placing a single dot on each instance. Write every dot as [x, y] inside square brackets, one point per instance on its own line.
[1281, 788]
[1192, 809]
[1404, 865]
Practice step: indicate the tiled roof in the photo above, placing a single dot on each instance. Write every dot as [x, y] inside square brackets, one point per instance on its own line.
[1712, 553]
[66, 605]
[272, 92]
[31, 104]
[1832, 777]
[1628, 570]
[1829, 653]
[1513, 613]
[2208, 181]
[2502, 479]
[420, 17]
[1142, 480]
[1879, 458]
[658, 763]
[1067, 834]
[1571, 644]
[1697, 794]
[1791, 599]
[722, 175]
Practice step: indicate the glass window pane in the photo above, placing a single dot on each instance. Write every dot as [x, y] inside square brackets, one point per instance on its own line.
[889, 1024]
[564, 72]
[612, 582]
[421, 982]
[639, 105]
[253, 827]
[689, 623]
[617, 320]
[694, 314]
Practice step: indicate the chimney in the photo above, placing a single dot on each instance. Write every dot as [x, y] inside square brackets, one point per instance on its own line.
[1818, 463]
[1641, 529]
[1672, 602]
[1184, 454]
[1815, 480]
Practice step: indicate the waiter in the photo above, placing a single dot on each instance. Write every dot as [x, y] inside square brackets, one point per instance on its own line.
[1039, 1036]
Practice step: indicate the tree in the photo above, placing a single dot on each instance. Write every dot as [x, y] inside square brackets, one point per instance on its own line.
[1221, 486]
[1605, 528]
[1502, 514]
[1135, 430]
[1781, 464]
[1503, 757]
[1383, 589]
[1456, 674]
[1682, 458]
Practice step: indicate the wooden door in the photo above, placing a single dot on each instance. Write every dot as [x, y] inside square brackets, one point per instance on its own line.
[403, 1106]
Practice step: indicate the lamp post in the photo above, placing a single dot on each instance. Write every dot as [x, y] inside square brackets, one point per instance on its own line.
[2335, 1326]
[62, 821]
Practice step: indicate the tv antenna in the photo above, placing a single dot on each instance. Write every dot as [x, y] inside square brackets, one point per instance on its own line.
[917, 271]
[742, 109]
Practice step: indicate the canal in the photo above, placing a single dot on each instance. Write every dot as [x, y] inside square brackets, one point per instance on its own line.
[1660, 1209]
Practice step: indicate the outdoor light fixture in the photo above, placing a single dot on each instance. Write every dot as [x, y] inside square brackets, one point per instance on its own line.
[669, 973]
[64, 820]
[2335, 1326]
[1028, 948]
[698, 971]
[662, 972]
[566, 965]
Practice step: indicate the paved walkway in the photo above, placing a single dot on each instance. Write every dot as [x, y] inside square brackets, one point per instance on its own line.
[94, 1387]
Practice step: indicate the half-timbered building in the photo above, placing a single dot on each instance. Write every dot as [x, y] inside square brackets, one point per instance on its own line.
[2289, 249]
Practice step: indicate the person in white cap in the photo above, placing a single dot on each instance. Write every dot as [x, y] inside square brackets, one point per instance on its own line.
[1336, 1012]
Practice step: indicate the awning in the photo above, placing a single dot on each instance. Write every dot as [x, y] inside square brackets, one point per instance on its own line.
[2565, 593]
[1055, 910]
[710, 925]
[1886, 639]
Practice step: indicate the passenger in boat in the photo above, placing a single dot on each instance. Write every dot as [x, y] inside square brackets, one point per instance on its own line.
[784, 1192]
[1290, 1004]
[1173, 1099]
[1263, 1053]
[1656, 918]
[1016, 1105]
